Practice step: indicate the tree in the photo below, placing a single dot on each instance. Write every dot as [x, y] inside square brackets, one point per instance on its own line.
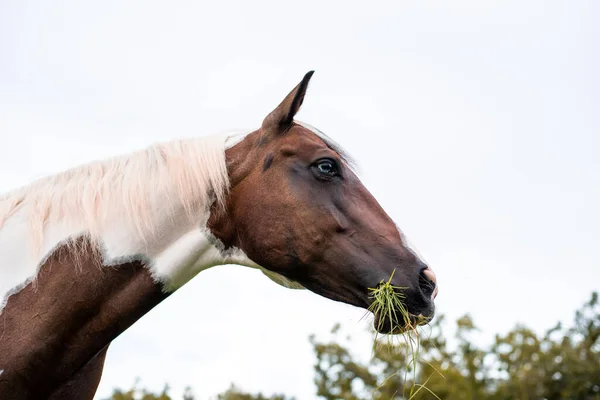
[233, 393]
[142, 394]
[563, 363]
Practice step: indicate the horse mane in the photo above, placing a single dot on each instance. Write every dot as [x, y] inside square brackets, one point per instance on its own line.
[188, 173]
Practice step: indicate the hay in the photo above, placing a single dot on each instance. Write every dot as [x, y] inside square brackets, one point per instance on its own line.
[388, 307]
[387, 302]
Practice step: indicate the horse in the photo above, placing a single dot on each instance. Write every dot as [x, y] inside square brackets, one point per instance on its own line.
[89, 251]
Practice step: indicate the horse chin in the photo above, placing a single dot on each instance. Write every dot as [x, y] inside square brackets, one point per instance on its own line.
[282, 280]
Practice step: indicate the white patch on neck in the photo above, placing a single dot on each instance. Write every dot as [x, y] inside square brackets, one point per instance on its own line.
[176, 246]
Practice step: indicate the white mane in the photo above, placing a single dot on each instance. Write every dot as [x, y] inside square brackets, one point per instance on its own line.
[187, 173]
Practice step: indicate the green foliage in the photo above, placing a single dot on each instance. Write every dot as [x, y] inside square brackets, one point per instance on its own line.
[143, 394]
[233, 393]
[563, 363]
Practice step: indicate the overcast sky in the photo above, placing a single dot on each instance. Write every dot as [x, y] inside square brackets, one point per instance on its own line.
[476, 125]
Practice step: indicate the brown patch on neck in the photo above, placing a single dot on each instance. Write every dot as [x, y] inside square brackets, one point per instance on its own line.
[241, 159]
[52, 327]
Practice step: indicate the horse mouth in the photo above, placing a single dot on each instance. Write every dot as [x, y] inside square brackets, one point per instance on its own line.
[394, 326]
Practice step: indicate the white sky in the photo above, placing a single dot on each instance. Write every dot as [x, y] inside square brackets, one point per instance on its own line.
[475, 124]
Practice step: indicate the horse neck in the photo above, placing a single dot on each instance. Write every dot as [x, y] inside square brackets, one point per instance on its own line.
[70, 301]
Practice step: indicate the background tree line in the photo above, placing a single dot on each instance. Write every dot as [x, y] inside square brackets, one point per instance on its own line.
[563, 363]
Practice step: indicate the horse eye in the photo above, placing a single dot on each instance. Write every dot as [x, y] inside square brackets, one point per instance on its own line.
[327, 167]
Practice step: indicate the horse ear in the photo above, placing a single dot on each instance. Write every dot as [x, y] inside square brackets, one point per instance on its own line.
[281, 118]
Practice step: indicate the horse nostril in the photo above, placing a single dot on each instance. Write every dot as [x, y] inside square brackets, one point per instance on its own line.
[428, 283]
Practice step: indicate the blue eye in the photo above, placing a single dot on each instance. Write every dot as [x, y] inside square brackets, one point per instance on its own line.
[327, 168]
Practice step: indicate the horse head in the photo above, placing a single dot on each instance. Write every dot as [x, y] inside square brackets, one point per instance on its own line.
[296, 208]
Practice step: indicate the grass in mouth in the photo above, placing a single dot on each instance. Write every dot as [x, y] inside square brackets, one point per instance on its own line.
[388, 305]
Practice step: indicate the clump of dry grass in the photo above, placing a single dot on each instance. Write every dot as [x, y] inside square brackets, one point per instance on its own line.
[388, 306]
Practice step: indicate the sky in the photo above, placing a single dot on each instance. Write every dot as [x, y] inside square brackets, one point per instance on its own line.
[475, 124]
